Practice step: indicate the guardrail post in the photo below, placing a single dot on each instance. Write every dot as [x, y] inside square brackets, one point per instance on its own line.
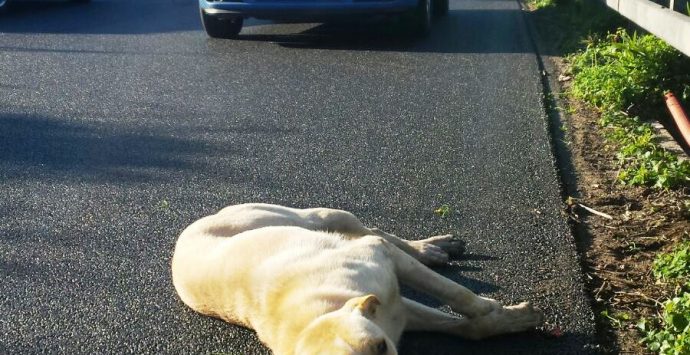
[680, 6]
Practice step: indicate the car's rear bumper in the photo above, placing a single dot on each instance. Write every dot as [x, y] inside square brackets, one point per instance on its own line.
[308, 10]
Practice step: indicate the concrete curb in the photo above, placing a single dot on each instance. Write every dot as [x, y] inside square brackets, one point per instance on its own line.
[666, 141]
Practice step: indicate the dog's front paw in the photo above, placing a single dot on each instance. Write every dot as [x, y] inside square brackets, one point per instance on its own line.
[451, 244]
[430, 254]
[437, 250]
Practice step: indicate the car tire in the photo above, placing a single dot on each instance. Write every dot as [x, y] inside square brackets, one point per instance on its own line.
[221, 27]
[4, 4]
[441, 7]
[422, 18]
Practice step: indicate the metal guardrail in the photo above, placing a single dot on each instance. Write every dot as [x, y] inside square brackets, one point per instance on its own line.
[671, 26]
[679, 5]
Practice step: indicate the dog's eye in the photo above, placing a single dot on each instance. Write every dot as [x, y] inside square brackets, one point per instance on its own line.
[381, 347]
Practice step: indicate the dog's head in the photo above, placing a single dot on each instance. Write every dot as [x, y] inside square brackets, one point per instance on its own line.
[349, 330]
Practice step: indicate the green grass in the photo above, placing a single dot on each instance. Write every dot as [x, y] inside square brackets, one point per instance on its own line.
[674, 265]
[617, 320]
[625, 75]
[566, 23]
[627, 71]
[542, 4]
[642, 161]
[672, 335]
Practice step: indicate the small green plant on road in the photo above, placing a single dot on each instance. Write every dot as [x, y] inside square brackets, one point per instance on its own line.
[164, 204]
[443, 211]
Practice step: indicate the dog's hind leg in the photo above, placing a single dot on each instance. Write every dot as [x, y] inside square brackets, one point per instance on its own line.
[430, 251]
[509, 320]
[416, 275]
[426, 251]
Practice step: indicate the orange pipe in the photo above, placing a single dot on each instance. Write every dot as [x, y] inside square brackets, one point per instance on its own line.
[678, 115]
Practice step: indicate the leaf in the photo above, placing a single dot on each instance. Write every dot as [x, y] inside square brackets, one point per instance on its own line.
[679, 322]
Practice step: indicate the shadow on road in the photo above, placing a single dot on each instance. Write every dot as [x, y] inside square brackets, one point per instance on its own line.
[462, 31]
[105, 152]
[101, 17]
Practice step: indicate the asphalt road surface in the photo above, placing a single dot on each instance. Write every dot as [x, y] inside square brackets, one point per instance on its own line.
[121, 123]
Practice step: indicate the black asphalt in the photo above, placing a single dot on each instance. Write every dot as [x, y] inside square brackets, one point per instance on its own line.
[121, 123]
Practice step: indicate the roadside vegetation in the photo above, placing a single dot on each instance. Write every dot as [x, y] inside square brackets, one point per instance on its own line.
[625, 75]
[670, 333]
[637, 262]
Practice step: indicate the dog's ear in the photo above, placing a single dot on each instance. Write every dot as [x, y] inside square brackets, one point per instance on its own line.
[365, 304]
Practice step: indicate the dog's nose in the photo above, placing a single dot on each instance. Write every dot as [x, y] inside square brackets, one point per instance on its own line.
[381, 347]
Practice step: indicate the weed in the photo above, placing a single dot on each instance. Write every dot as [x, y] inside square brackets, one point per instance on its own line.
[541, 4]
[626, 70]
[642, 161]
[443, 211]
[617, 320]
[633, 248]
[672, 336]
[565, 22]
[673, 265]
[630, 73]
[570, 201]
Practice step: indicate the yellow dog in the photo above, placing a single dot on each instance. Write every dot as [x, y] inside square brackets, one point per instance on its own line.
[317, 281]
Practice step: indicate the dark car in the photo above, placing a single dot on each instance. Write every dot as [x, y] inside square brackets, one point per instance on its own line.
[224, 18]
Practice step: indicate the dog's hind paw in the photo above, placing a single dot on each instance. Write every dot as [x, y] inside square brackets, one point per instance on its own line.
[479, 307]
[522, 317]
[509, 319]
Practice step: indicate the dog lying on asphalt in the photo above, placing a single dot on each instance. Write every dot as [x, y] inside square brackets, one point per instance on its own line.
[317, 281]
